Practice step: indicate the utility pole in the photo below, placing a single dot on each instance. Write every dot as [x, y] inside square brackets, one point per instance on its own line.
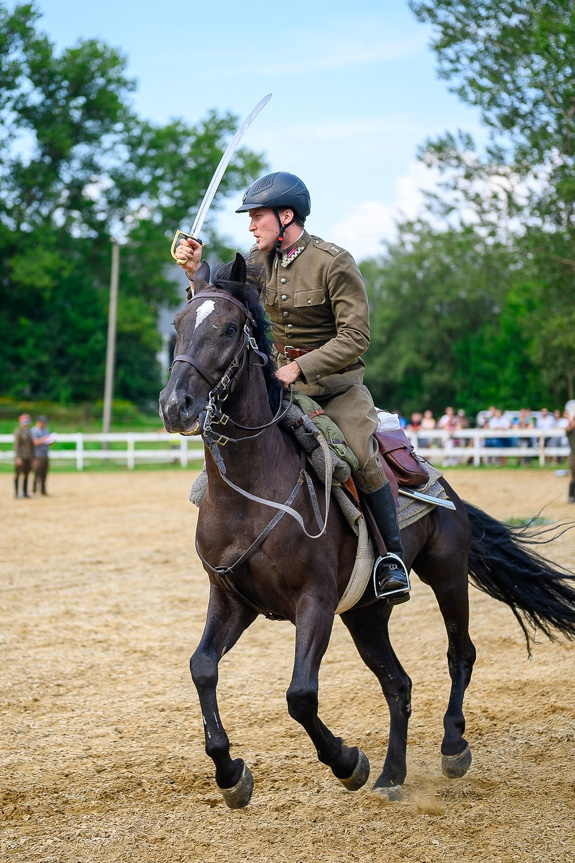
[111, 346]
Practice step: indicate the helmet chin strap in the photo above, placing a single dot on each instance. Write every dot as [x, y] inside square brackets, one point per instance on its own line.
[283, 229]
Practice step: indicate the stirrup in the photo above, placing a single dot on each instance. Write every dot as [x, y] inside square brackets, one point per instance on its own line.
[398, 595]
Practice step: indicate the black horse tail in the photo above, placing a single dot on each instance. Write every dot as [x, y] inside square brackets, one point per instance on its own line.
[503, 563]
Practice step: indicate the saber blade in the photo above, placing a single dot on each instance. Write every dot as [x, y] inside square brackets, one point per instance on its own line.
[216, 179]
[419, 495]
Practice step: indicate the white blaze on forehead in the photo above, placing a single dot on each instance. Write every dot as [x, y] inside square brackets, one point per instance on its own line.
[203, 311]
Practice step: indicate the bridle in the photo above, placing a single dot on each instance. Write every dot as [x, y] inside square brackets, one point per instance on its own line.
[220, 390]
[233, 375]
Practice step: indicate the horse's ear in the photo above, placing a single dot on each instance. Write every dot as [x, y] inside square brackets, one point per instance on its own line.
[239, 270]
[203, 276]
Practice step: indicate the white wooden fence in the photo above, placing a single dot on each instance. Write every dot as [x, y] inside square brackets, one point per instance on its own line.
[124, 447]
[473, 447]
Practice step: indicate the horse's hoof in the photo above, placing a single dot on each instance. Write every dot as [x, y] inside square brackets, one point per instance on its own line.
[456, 766]
[392, 793]
[360, 774]
[241, 793]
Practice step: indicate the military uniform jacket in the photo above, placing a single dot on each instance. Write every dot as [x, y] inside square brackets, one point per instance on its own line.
[316, 299]
[23, 444]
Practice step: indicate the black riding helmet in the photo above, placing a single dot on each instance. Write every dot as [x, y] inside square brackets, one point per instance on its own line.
[278, 191]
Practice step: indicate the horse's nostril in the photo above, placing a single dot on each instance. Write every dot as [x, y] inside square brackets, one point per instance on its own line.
[185, 407]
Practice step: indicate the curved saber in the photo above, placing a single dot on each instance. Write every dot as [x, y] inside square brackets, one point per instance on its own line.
[216, 179]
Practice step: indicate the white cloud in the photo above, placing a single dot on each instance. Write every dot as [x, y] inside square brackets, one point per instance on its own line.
[370, 222]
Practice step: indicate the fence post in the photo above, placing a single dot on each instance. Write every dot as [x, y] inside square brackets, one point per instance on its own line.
[183, 451]
[80, 451]
[542, 450]
[477, 451]
[131, 451]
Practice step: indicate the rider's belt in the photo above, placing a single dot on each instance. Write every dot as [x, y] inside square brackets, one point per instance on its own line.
[291, 353]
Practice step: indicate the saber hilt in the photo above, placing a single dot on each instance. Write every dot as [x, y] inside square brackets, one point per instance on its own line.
[175, 242]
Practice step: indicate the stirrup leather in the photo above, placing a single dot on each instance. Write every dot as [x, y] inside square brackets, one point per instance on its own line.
[399, 565]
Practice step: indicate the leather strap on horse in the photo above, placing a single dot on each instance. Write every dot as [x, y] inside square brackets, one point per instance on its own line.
[184, 358]
[285, 507]
[223, 295]
[373, 529]
[225, 572]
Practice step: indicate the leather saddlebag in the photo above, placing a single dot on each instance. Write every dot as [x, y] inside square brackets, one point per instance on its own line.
[399, 454]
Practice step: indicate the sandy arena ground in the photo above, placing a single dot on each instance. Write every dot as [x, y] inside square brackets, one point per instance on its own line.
[102, 601]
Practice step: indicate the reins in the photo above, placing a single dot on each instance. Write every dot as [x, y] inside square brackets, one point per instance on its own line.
[219, 392]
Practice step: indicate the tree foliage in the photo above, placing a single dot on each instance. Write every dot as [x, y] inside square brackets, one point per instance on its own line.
[436, 299]
[482, 310]
[79, 168]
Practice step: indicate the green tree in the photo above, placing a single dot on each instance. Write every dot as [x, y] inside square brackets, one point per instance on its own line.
[78, 168]
[443, 331]
[516, 61]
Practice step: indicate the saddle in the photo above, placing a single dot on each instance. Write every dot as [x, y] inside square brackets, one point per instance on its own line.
[401, 465]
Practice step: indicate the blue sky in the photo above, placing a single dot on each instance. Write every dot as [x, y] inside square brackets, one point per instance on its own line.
[355, 92]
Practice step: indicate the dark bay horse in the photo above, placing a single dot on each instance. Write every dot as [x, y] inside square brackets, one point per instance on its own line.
[260, 561]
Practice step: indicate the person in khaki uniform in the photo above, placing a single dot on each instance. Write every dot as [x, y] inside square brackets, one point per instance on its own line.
[316, 300]
[570, 431]
[23, 454]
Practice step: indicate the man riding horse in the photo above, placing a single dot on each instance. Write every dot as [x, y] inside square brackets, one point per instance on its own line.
[317, 303]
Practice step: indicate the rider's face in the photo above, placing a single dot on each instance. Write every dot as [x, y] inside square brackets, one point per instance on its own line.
[265, 228]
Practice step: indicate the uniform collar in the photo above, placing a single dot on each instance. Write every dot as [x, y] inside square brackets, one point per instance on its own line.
[293, 251]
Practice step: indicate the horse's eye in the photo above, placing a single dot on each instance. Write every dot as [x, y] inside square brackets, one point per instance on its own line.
[231, 329]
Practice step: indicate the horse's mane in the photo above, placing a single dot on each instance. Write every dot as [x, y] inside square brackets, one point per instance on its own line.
[249, 293]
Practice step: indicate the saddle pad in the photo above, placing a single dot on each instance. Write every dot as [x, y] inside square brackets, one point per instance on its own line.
[411, 510]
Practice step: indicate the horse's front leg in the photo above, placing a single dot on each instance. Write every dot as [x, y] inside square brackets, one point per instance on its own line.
[314, 622]
[226, 619]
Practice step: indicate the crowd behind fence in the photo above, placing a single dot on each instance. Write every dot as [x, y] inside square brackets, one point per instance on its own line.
[442, 448]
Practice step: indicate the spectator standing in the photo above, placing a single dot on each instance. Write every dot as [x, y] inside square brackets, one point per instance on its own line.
[463, 423]
[499, 422]
[427, 424]
[448, 423]
[561, 422]
[42, 439]
[23, 454]
[570, 431]
[524, 420]
[414, 423]
[544, 422]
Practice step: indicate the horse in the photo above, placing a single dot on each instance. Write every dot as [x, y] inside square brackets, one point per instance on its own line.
[279, 568]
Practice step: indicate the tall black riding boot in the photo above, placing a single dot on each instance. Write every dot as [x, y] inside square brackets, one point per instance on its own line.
[572, 491]
[16, 487]
[390, 577]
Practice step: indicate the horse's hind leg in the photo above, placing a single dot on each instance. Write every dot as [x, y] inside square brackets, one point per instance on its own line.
[444, 568]
[368, 628]
[227, 618]
[313, 630]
